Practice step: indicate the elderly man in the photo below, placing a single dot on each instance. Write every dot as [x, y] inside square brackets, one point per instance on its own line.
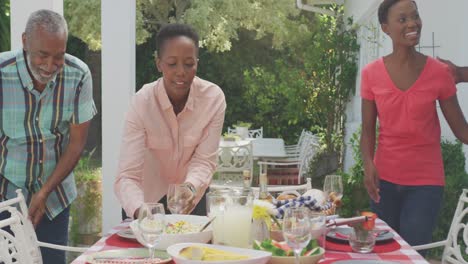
[45, 110]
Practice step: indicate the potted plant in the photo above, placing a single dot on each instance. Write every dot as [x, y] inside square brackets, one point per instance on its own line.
[242, 129]
[86, 210]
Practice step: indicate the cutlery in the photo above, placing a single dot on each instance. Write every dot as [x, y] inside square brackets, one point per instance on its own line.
[207, 224]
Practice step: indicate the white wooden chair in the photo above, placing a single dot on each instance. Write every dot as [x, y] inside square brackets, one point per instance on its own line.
[279, 189]
[23, 231]
[292, 170]
[252, 133]
[256, 133]
[458, 232]
[232, 161]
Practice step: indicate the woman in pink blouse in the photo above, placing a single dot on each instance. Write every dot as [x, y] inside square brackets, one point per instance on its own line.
[405, 178]
[172, 129]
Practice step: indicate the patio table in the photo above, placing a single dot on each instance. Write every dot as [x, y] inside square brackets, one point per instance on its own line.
[261, 147]
[404, 255]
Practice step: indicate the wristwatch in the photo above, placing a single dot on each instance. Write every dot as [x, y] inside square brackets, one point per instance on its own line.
[191, 187]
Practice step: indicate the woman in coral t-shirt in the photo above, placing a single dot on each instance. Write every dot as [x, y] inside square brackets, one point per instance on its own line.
[405, 177]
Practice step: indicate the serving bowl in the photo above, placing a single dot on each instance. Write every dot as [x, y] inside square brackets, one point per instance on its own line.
[171, 239]
[255, 256]
[303, 259]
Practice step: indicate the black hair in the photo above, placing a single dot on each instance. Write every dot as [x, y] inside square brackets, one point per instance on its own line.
[384, 7]
[175, 30]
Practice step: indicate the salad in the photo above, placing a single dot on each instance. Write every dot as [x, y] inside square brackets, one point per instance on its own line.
[182, 227]
[282, 249]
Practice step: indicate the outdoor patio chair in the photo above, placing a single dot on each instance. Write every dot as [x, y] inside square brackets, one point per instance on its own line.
[278, 189]
[458, 233]
[253, 133]
[24, 234]
[232, 162]
[256, 133]
[292, 171]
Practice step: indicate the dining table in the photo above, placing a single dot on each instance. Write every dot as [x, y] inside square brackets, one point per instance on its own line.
[261, 147]
[398, 252]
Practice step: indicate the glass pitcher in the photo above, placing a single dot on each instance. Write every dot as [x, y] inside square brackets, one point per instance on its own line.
[233, 217]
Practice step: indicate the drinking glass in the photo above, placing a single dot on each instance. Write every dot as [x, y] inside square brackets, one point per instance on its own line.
[176, 198]
[296, 229]
[362, 241]
[151, 223]
[333, 184]
[318, 227]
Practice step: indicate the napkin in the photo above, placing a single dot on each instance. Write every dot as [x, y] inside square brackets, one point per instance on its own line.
[117, 241]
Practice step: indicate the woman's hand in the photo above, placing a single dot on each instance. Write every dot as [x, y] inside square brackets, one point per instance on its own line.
[371, 181]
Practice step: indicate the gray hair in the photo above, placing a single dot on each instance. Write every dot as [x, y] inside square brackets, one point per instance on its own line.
[49, 20]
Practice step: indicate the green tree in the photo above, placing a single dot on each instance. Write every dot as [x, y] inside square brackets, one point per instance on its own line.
[84, 22]
[5, 25]
[217, 21]
[309, 83]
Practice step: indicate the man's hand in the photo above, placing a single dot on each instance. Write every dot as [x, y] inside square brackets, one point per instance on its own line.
[454, 69]
[37, 207]
[371, 181]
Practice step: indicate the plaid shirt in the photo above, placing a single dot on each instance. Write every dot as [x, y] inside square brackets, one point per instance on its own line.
[34, 126]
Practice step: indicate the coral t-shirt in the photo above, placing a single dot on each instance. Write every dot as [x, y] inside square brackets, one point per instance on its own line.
[408, 151]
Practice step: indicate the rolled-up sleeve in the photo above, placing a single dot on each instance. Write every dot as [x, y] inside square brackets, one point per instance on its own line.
[128, 184]
[203, 162]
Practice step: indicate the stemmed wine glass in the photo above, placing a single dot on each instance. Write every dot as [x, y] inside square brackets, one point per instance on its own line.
[176, 201]
[296, 230]
[151, 223]
[333, 184]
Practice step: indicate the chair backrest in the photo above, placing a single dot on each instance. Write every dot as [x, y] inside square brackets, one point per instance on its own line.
[233, 160]
[17, 240]
[27, 229]
[256, 133]
[310, 148]
[459, 228]
[231, 130]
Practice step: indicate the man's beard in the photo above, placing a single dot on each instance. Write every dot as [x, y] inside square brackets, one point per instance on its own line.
[36, 73]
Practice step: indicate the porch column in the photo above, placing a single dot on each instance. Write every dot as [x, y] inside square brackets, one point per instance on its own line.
[118, 86]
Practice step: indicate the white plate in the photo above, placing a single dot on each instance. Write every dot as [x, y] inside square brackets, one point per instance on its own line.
[126, 233]
[256, 256]
[364, 261]
[116, 254]
[171, 239]
[345, 231]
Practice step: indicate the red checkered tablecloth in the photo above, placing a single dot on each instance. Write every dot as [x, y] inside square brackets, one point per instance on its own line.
[404, 255]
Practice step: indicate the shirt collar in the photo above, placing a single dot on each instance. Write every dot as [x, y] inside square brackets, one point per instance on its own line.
[163, 98]
[23, 72]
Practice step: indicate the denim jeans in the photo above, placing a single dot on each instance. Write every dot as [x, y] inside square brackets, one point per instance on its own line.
[411, 211]
[51, 231]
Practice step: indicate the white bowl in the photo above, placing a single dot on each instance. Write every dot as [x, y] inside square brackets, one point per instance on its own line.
[255, 256]
[303, 259]
[171, 239]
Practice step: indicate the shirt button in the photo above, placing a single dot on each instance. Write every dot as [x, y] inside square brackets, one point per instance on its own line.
[37, 118]
[40, 140]
[40, 161]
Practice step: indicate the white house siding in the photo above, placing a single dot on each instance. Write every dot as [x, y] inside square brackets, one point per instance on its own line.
[445, 18]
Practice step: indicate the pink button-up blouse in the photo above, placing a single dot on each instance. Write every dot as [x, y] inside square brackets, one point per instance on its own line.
[159, 148]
